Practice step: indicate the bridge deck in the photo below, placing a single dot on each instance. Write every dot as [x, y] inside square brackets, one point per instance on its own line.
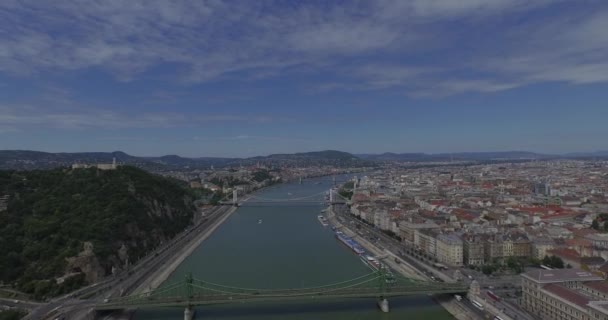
[278, 295]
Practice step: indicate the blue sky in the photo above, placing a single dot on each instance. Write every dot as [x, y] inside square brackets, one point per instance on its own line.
[243, 78]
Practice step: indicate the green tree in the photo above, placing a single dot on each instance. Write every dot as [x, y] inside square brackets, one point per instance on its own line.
[557, 262]
[595, 225]
[487, 269]
[53, 212]
[12, 314]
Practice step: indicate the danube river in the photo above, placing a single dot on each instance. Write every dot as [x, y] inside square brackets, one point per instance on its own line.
[284, 246]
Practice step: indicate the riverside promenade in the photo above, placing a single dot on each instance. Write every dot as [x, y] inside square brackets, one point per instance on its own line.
[402, 267]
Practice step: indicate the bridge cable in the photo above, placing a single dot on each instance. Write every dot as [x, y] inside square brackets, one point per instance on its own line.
[290, 295]
[306, 288]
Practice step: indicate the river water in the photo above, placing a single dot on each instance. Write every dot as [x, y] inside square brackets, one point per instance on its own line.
[288, 249]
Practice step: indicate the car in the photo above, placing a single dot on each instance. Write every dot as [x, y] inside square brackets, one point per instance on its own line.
[106, 300]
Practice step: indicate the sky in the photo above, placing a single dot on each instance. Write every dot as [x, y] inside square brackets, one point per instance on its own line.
[244, 78]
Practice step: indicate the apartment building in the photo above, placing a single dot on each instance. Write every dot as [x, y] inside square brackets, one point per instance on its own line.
[473, 250]
[565, 294]
[450, 249]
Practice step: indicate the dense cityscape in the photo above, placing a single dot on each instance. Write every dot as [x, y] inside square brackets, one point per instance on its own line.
[527, 239]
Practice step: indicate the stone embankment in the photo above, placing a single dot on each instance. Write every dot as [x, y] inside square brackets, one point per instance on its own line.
[403, 267]
[163, 273]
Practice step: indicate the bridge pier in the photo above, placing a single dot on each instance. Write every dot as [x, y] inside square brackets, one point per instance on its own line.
[188, 313]
[383, 305]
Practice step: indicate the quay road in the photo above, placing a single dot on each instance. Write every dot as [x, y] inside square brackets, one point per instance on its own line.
[19, 304]
[78, 304]
[388, 244]
[392, 245]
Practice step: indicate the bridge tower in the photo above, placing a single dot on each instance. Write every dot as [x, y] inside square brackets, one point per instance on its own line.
[188, 312]
[382, 301]
[331, 196]
[235, 195]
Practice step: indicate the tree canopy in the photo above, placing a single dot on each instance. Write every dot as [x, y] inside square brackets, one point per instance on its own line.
[52, 213]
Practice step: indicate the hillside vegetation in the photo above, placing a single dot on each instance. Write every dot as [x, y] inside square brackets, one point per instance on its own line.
[64, 228]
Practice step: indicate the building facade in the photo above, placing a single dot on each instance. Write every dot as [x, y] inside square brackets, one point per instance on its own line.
[450, 250]
[565, 294]
[472, 250]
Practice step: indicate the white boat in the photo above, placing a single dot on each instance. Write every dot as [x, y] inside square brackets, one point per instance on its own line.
[260, 221]
[322, 220]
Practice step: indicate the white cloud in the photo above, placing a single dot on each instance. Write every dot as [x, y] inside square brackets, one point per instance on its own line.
[13, 118]
[423, 45]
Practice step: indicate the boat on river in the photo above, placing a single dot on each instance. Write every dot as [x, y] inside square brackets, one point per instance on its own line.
[322, 220]
[350, 243]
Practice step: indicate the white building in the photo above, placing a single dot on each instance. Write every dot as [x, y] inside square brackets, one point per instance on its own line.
[449, 249]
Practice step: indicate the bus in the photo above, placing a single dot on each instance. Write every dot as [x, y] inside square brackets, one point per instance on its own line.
[477, 304]
[545, 267]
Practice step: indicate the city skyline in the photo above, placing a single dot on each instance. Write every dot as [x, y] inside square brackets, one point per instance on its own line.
[255, 78]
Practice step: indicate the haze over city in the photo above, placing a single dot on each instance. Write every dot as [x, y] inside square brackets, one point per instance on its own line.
[245, 78]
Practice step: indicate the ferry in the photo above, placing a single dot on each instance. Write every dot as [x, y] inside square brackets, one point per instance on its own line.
[371, 262]
[352, 244]
[322, 220]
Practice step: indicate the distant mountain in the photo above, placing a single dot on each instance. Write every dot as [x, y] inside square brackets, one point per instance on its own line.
[27, 160]
[326, 154]
[458, 156]
[599, 154]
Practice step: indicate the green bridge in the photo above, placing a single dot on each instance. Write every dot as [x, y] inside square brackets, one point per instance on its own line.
[192, 292]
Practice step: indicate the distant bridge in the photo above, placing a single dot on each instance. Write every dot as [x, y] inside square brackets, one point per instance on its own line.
[333, 197]
[192, 292]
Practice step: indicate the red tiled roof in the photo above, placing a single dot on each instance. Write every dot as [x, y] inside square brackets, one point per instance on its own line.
[582, 232]
[601, 286]
[567, 294]
[578, 243]
[569, 254]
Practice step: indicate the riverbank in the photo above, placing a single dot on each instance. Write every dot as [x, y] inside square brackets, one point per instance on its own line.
[403, 267]
[165, 271]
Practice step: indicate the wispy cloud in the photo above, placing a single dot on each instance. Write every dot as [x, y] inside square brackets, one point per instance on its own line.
[243, 137]
[23, 116]
[210, 40]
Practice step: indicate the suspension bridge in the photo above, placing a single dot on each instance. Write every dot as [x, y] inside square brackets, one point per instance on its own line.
[191, 292]
[326, 197]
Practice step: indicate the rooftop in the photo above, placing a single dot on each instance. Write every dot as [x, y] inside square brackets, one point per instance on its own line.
[601, 286]
[601, 306]
[560, 275]
[567, 294]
